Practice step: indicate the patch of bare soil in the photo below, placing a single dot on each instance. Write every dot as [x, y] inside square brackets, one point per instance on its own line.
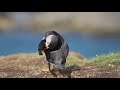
[70, 72]
[32, 68]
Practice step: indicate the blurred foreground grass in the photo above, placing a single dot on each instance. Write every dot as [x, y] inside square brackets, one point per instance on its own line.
[35, 66]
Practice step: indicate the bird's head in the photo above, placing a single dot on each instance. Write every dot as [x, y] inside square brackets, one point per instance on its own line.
[48, 42]
[51, 41]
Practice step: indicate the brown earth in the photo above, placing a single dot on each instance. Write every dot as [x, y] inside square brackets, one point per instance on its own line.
[34, 66]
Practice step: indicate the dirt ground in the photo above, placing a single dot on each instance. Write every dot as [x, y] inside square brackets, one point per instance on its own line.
[34, 66]
[70, 72]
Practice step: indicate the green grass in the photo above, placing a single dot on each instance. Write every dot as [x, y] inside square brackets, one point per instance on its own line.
[25, 65]
[102, 60]
[72, 59]
[106, 59]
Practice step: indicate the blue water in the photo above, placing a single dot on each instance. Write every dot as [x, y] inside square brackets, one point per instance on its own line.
[27, 42]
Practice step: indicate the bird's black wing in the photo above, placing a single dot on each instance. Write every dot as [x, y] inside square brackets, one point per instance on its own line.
[40, 46]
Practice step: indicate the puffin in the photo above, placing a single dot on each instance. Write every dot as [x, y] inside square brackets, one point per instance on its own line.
[55, 48]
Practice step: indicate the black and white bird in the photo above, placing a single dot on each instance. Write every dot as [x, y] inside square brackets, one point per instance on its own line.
[55, 48]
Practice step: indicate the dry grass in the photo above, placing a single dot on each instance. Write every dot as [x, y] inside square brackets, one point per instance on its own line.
[35, 66]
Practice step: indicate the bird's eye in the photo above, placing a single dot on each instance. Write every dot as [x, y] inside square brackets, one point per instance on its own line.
[47, 42]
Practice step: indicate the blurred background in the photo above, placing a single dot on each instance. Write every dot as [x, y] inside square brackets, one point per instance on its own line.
[88, 33]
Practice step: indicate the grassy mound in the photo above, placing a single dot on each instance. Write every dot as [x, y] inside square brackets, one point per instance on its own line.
[35, 66]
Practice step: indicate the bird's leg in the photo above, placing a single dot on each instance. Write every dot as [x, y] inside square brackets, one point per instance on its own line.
[49, 66]
[51, 71]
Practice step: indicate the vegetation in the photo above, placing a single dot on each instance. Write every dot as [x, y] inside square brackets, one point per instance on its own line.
[35, 66]
[104, 60]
